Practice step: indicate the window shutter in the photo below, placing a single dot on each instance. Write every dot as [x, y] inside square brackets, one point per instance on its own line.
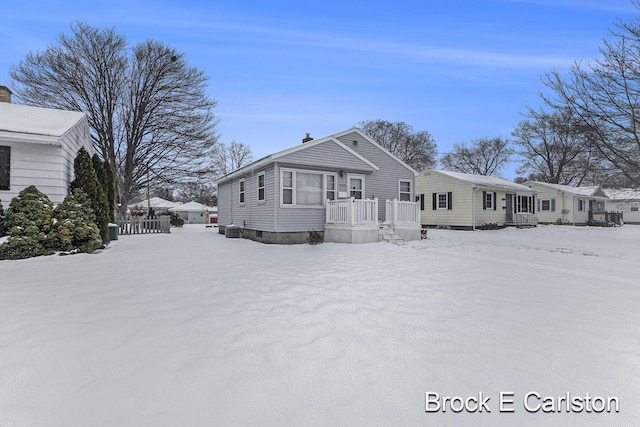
[449, 200]
[495, 201]
[553, 205]
[421, 196]
[484, 200]
[435, 201]
[5, 168]
[533, 204]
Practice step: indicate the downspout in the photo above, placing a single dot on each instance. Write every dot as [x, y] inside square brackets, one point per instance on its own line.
[473, 203]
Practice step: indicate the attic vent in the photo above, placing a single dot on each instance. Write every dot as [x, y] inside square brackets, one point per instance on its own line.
[307, 138]
[355, 143]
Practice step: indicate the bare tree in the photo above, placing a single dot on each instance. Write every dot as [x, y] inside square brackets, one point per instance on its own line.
[417, 149]
[149, 114]
[557, 148]
[605, 96]
[484, 156]
[201, 191]
[227, 158]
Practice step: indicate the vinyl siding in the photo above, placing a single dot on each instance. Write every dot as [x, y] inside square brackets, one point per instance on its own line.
[461, 214]
[325, 157]
[468, 205]
[47, 166]
[383, 183]
[251, 214]
[564, 201]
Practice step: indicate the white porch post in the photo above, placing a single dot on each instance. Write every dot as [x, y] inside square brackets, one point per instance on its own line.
[351, 210]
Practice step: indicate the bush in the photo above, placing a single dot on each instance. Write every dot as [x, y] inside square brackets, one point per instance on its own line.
[86, 178]
[75, 229]
[28, 220]
[174, 219]
[3, 228]
[30, 208]
[315, 237]
[25, 242]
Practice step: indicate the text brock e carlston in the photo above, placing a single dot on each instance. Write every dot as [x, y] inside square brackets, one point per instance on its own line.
[531, 402]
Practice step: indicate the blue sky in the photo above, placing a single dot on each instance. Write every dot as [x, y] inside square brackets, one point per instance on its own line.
[460, 69]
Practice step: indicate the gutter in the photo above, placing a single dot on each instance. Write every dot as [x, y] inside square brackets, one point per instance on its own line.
[473, 200]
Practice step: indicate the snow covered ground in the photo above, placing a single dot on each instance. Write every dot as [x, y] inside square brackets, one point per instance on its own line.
[194, 329]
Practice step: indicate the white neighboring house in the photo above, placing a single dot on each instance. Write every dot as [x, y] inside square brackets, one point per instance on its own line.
[625, 200]
[564, 204]
[193, 212]
[467, 201]
[38, 147]
[158, 204]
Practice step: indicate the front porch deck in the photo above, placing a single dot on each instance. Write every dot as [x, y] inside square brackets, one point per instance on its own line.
[356, 221]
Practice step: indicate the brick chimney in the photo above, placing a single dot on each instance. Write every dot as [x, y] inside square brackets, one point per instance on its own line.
[307, 138]
[5, 94]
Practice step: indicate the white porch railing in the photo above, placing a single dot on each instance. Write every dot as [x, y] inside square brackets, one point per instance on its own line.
[402, 212]
[525, 219]
[352, 211]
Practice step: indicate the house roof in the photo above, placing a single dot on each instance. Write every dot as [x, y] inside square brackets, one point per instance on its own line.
[622, 193]
[483, 181]
[154, 202]
[589, 191]
[24, 119]
[331, 138]
[191, 207]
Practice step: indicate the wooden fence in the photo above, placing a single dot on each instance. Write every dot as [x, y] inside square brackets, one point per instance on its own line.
[144, 225]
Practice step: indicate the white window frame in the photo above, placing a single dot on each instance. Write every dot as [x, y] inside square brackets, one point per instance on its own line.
[324, 190]
[551, 207]
[489, 200]
[351, 176]
[261, 187]
[446, 201]
[242, 190]
[334, 190]
[517, 206]
[408, 193]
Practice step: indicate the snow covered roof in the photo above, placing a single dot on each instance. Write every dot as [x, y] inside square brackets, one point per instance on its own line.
[154, 202]
[16, 118]
[589, 191]
[622, 193]
[275, 156]
[483, 181]
[191, 207]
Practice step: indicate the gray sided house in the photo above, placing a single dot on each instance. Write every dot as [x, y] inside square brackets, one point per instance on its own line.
[330, 185]
[38, 147]
[466, 201]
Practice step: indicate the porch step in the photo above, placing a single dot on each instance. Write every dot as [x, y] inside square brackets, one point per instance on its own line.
[387, 235]
[392, 238]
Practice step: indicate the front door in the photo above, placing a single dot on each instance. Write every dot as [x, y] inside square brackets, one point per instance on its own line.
[509, 208]
[356, 186]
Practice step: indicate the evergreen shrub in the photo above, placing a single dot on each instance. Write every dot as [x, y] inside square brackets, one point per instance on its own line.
[75, 229]
[28, 220]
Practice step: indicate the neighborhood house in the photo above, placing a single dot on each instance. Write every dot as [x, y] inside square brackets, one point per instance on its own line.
[466, 201]
[344, 186]
[564, 204]
[38, 147]
[626, 201]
